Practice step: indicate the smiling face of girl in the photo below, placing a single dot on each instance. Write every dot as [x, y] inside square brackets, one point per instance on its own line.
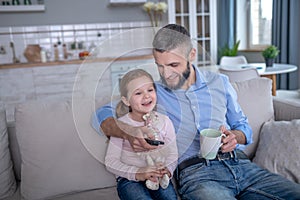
[141, 97]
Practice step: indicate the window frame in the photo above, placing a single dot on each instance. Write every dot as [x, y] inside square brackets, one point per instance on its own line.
[250, 26]
[244, 27]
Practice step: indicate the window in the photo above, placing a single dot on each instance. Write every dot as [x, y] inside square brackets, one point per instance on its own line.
[260, 23]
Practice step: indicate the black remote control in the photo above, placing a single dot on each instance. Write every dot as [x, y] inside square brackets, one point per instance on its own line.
[154, 142]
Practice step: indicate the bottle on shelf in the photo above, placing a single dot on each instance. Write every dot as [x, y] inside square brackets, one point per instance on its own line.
[65, 51]
[27, 2]
[43, 55]
[15, 2]
[56, 53]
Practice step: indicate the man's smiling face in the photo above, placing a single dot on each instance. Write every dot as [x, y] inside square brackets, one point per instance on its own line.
[173, 68]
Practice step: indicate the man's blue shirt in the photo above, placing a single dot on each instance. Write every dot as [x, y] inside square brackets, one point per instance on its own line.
[209, 103]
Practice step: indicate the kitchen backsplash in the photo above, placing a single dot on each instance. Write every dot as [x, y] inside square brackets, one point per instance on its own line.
[76, 37]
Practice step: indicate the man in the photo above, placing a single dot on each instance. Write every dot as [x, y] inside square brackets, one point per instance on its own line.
[195, 100]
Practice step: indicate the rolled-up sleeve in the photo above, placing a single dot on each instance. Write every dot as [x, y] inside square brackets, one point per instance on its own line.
[102, 114]
[236, 119]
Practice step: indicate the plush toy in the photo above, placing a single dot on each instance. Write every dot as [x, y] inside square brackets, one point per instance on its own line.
[151, 120]
[163, 182]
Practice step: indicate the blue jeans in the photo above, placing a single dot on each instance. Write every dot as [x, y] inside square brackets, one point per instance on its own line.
[233, 179]
[133, 190]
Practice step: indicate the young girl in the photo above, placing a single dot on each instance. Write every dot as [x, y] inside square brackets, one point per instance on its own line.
[143, 175]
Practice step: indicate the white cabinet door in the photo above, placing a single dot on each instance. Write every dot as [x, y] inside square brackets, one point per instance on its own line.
[199, 17]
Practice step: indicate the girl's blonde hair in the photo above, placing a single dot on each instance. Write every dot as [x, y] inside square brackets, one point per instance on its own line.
[123, 109]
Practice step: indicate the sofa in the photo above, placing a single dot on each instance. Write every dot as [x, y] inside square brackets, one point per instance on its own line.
[50, 150]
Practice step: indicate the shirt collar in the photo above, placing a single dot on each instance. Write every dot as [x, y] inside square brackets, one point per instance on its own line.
[200, 79]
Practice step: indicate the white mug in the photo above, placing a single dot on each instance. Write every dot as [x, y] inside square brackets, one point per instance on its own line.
[210, 142]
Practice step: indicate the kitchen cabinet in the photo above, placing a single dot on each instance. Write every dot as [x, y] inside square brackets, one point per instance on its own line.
[22, 8]
[199, 17]
[53, 83]
[66, 80]
[118, 69]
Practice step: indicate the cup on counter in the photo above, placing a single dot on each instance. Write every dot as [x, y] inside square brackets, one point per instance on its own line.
[210, 142]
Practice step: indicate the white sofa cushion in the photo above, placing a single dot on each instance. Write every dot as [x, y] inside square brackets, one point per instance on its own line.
[7, 178]
[54, 159]
[255, 98]
[279, 148]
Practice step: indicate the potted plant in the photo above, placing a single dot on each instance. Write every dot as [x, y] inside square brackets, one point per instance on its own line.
[229, 56]
[227, 51]
[270, 53]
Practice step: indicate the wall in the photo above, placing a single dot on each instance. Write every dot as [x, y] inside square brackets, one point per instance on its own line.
[70, 20]
[76, 12]
[67, 21]
[76, 37]
[88, 79]
[252, 56]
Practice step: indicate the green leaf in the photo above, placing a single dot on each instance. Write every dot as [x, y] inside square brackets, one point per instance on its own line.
[270, 52]
[227, 51]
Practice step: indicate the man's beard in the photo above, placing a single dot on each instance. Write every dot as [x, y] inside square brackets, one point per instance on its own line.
[184, 76]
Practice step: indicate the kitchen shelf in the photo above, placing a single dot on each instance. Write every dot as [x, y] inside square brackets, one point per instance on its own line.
[22, 8]
[76, 61]
[127, 1]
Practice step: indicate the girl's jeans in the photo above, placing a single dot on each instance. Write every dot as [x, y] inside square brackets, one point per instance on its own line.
[134, 190]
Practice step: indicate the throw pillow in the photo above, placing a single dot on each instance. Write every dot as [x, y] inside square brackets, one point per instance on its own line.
[279, 147]
[55, 161]
[255, 98]
[7, 178]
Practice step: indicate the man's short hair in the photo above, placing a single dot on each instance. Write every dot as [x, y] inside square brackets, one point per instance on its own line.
[171, 37]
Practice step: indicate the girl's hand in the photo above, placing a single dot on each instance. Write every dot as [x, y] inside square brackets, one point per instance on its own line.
[148, 173]
[163, 169]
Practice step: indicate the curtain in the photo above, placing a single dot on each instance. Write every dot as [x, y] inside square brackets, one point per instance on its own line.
[226, 23]
[286, 36]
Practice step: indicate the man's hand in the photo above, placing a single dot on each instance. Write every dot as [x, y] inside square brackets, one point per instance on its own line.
[135, 135]
[229, 142]
[233, 137]
[137, 141]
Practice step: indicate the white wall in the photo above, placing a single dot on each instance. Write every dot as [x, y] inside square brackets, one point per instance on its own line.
[75, 12]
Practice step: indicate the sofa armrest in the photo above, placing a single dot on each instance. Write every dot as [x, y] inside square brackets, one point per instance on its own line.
[286, 109]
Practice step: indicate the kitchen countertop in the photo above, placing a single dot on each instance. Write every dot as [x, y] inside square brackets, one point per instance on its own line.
[67, 62]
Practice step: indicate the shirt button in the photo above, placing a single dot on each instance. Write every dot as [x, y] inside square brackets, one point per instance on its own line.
[194, 107]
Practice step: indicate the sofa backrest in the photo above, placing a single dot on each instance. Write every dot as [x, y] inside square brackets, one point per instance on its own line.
[54, 158]
[255, 98]
[57, 142]
[7, 178]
